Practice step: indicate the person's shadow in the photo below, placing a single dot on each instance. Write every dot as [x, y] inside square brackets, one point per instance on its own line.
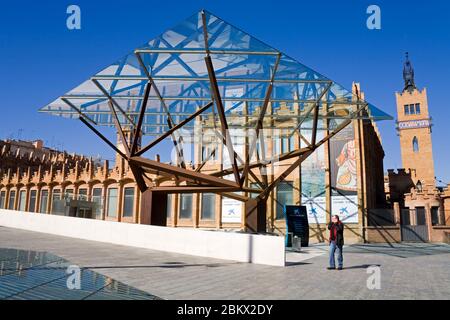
[363, 266]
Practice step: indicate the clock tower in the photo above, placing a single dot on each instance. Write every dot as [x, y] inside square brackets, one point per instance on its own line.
[414, 128]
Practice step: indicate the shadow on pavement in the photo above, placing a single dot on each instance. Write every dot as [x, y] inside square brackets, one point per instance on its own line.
[363, 266]
[290, 264]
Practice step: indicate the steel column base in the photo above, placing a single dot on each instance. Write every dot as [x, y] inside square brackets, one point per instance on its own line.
[255, 215]
[153, 208]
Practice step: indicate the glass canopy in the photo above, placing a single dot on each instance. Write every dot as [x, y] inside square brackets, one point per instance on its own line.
[247, 71]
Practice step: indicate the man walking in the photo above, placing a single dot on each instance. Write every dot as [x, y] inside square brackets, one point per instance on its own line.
[336, 228]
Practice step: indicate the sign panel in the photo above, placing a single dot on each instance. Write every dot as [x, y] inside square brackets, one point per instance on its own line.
[231, 211]
[316, 209]
[414, 124]
[297, 223]
[346, 207]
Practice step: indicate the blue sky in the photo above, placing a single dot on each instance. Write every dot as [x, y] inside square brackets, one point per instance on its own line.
[41, 59]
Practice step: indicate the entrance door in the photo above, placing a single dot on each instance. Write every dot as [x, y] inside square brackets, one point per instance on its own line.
[85, 213]
[414, 225]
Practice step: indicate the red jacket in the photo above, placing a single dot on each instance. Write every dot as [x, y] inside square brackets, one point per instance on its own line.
[336, 232]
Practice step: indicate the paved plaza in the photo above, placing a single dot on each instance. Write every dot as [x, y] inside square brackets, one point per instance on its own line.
[408, 271]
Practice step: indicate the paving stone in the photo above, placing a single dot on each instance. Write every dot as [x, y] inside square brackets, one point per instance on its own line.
[408, 271]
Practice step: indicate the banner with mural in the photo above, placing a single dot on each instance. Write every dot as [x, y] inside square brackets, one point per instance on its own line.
[313, 180]
[344, 175]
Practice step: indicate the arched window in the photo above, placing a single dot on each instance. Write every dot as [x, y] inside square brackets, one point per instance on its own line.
[415, 144]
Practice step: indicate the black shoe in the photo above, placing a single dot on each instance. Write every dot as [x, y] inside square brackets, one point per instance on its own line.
[330, 268]
[340, 268]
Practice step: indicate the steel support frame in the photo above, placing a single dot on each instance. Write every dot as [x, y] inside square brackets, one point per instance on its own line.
[196, 181]
[259, 124]
[223, 119]
[166, 110]
[212, 181]
[173, 129]
[219, 105]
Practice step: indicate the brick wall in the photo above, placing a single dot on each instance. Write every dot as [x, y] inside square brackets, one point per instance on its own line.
[388, 234]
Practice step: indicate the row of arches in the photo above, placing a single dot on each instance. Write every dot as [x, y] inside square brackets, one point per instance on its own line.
[105, 200]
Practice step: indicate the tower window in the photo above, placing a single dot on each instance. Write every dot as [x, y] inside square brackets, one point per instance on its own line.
[415, 144]
[417, 108]
[407, 110]
[412, 109]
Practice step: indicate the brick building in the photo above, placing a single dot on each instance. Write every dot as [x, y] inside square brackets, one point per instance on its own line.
[38, 179]
[41, 180]
[423, 208]
[330, 148]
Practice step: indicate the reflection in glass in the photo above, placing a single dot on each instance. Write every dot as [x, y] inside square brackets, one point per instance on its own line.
[69, 194]
[128, 202]
[170, 198]
[32, 205]
[12, 198]
[82, 194]
[98, 200]
[185, 206]
[32, 275]
[44, 201]
[112, 202]
[2, 199]
[285, 196]
[208, 206]
[22, 200]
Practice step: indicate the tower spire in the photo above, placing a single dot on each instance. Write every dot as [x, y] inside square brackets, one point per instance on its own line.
[408, 75]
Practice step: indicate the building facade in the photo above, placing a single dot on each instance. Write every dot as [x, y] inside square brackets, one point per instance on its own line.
[422, 206]
[40, 180]
[344, 177]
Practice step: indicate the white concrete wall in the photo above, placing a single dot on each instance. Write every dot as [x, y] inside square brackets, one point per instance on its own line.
[268, 250]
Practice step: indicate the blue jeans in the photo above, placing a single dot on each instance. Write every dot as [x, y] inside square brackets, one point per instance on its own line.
[333, 249]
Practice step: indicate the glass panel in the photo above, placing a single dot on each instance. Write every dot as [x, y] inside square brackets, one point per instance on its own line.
[407, 110]
[128, 202]
[69, 194]
[82, 194]
[2, 199]
[243, 66]
[33, 196]
[44, 201]
[98, 200]
[185, 206]
[170, 198]
[417, 108]
[112, 202]
[208, 206]
[313, 182]
[285, 196]
[420, 216]
[435, 216]
[12, 199]
[411, 109]
[56, 195]
[292, 142]
[58, 206]
[22, 200]
[277, 146]
[285, 145]
[254, 185]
